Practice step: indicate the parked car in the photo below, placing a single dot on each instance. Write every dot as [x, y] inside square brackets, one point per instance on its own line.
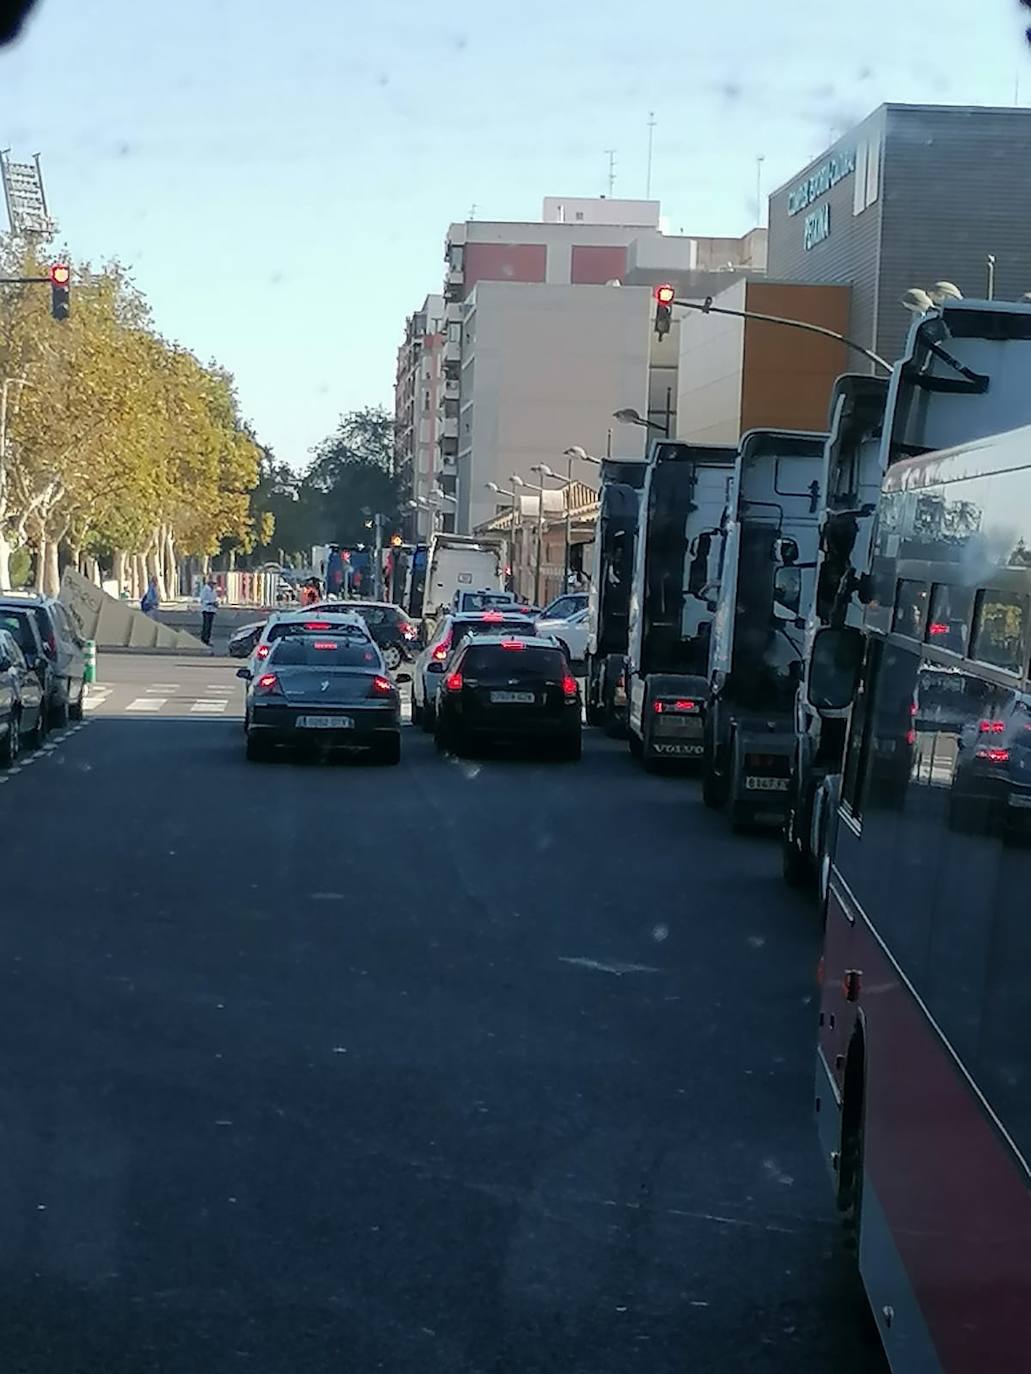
[328, 689]
[571, 634]
[451, 632]
[21, 701]
[62, 649]
[564, 605]
[504, 687]
[242, 642]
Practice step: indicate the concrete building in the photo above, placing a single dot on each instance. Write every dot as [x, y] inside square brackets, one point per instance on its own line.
[736, 375]
[914, 195]
[583, 244]
[418, 388]
[542, 368]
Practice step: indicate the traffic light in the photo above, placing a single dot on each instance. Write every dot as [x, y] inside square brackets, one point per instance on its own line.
[664, 297]
[60, 291]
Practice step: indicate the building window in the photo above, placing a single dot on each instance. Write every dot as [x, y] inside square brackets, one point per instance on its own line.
[425, 400]
[910, 609]
[1000, 631]
[866, 186]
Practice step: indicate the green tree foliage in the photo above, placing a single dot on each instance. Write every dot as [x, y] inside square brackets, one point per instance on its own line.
[117, 442]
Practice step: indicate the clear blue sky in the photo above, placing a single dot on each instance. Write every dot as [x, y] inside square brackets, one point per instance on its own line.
[282, 185]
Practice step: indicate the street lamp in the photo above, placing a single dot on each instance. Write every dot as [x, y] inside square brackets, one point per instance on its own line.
[629, 416]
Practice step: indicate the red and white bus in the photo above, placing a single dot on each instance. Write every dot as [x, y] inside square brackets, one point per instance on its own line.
[923, 1089]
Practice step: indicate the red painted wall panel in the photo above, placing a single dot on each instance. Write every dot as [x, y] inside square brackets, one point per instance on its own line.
[504, 262]
[597, 263]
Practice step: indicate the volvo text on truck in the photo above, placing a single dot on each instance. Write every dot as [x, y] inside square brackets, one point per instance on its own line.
[962, 376]
[766, 571]
[685, 492]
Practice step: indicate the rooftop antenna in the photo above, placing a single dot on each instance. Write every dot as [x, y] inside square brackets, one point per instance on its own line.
[472, 210]
[651, 137]
[759, 189]
[611, 154]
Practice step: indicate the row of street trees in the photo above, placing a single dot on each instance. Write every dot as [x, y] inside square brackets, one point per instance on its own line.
[116, 447]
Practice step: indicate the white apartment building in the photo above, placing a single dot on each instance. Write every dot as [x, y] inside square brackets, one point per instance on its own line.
[418, 389]
[542, 368]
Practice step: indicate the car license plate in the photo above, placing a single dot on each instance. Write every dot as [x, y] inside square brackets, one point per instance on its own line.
[766, 784]
[325, 723]
[513, 698]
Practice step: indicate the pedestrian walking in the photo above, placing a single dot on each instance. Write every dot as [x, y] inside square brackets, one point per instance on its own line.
[208, 607]
[151, 599]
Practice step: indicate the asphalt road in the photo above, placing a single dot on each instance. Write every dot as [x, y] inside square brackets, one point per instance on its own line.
[457, 1066]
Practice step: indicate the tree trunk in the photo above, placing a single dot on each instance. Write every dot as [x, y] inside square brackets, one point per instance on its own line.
[91, 569]
[139, 575]
[171, 566]
[6, 549]
[40, 568]
[118, 570]
[51, 569]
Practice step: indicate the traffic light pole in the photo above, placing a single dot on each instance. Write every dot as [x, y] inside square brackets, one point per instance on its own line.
[59, 281]
[706, 307]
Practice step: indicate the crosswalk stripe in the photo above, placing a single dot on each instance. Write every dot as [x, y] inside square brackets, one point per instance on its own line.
[209, 707]
[147, 704]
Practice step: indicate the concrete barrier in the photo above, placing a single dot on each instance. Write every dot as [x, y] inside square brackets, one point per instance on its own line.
[115, 624]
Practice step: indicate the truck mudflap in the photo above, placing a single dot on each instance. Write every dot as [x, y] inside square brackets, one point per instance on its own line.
[760, 779]
[674, 718]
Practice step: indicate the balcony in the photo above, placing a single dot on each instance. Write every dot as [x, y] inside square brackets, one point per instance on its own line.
[449, 427]
[449, 391]
[449, 446]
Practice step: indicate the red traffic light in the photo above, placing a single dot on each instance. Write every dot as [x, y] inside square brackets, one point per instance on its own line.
[60, 274]
[665, 295]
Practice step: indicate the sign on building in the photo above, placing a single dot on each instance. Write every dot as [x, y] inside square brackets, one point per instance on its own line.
[24, 195]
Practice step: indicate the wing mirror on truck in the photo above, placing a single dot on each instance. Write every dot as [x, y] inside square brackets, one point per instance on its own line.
[787, 595]
[785, 552]
[834, 667]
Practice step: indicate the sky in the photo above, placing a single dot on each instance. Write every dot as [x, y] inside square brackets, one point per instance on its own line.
[282, 186]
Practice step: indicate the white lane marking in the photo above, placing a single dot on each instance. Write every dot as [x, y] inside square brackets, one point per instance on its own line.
[218, 687]
[209, 707]
[91, 703]
[163, 687]
[147, 704]
[615, 966]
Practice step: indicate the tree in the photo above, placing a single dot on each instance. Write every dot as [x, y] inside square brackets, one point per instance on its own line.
[351, 478]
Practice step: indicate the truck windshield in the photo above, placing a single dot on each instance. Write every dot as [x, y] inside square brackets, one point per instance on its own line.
[674, 641]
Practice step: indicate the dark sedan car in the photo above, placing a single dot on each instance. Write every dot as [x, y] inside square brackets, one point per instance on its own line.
[21, 701]
[242, 641]
[504, 688]
[388, 625]
[329, 690]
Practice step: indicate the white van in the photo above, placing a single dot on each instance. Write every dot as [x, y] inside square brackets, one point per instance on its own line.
[459, 562]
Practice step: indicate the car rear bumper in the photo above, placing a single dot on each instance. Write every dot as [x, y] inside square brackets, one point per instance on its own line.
[371, 725]
[499, 725]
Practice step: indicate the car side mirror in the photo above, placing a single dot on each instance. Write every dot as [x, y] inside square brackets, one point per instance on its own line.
[244, 673]
[834, 667]
[402, 677]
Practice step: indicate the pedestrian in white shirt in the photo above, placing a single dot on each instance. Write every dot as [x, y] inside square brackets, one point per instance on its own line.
[208, 607]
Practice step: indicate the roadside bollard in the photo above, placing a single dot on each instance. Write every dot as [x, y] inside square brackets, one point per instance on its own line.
[90, 653]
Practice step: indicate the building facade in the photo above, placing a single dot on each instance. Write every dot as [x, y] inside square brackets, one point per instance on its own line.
[735, 375]
[914, 195]
[418, 399]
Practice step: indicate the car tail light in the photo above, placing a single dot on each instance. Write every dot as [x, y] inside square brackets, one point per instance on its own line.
[993, 755]
[324, 644]
[263, 650]
[512, 644]
[381, 687]
[991, 727]
[442, 650]
[268, 682]
[409, 631]
[569, 685]
[453, 682]
[683, 705]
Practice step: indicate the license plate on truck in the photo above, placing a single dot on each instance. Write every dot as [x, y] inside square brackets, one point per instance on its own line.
[513, 698]
[325, 723]
[766, 784]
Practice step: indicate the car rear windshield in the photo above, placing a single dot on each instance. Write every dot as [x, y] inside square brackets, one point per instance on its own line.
[287, 628]
[483, 601]
[18, 625]
[520, 629]
[527, 661]
[328, 652]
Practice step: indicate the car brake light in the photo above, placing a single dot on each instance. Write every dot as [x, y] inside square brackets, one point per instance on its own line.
[316, 625]
[324, 644]
[453, 682]
[409, 631]
[493, 616]
[658, 707]
[569, 685]
[442, 650]
[993, 755]
[684, 705]
[991, 727]
[267, 682]
[381, 687]
[937, 628]
[263, 650]
[513, 644]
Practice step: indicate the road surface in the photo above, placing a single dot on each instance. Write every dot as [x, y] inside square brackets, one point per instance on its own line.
[459, 1066]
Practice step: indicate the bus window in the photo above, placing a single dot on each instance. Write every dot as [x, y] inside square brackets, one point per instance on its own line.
[948, 625]
[910, 609]
[1000, 630]
[859, 733]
